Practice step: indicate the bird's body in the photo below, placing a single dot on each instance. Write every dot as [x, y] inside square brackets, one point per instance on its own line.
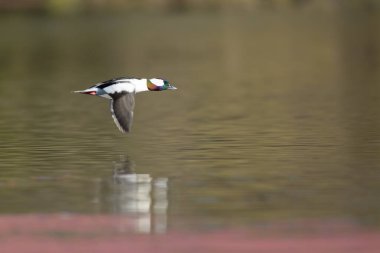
[121, 92]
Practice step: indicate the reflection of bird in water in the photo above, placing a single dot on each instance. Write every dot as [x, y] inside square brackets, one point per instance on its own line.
[121, 92]
[140, 195]
[124, 172]
[124, 166]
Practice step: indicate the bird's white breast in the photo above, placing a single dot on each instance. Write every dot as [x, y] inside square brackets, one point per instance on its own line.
[124, 86]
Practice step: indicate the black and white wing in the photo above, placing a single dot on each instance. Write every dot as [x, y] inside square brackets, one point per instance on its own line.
[122, 111]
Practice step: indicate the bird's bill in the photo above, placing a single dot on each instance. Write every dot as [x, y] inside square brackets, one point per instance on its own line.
[92, 92]
[171, 87]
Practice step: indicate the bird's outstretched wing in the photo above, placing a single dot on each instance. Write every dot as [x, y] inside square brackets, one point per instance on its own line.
[122, 111]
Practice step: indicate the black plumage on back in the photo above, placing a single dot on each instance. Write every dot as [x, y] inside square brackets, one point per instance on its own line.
[110, 82]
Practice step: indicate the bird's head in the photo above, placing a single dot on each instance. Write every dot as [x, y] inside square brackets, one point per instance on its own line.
[157, 84]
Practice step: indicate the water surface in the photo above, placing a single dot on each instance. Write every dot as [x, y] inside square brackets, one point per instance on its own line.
[276, 118]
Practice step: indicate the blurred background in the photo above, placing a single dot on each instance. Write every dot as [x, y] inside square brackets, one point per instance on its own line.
[275, 121]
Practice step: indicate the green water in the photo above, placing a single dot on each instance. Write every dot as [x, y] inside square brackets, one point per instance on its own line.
[276, 117]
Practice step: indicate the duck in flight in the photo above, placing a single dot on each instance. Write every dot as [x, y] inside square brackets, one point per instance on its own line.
[121, 91]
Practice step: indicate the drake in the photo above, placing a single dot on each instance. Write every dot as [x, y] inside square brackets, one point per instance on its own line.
[121, 91]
